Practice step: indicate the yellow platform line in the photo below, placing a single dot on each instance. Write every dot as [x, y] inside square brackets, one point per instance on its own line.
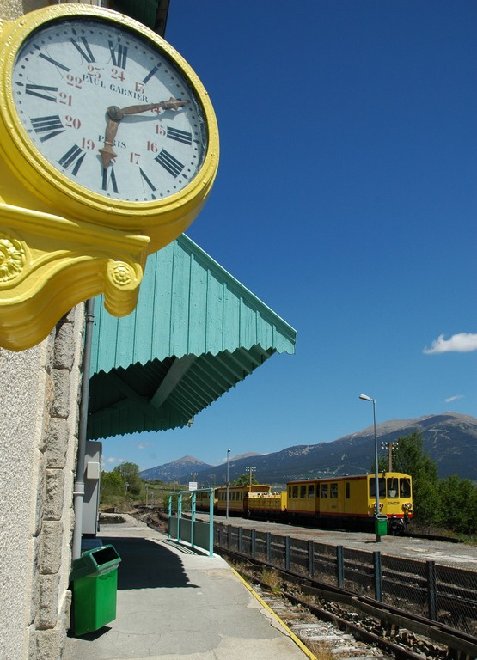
[291, 634]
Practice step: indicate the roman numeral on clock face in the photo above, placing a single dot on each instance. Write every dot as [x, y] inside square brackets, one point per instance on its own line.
[73, 156]
[50, 59]
[42, 91]
[169, 163]
[108, 180]
[148, 181]
[82, 46]
[151, 73]
[180, 136]
[118, 54]
[51, 126]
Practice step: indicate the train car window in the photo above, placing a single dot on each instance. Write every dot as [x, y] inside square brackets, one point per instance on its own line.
[382, 487]
[302, 492]
[348, 490]
[295, 491]
[334, 491]
[405, 488]
[324, 490]
[311, 490]
[393, 488]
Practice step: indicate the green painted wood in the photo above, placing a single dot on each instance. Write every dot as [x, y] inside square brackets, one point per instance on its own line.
[142, 10]
[188, 306]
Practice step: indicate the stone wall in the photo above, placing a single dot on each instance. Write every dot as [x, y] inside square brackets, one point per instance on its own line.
[39, 404]
[39, 399]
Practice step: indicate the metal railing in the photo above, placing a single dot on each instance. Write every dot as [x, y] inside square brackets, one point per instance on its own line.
[197, 533]
[440, 593]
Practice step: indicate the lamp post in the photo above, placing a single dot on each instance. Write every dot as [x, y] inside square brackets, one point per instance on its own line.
[365, 397]
[228, 484]
[251, 471]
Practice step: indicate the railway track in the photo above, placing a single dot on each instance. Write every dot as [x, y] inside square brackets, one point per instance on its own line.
[388, 630]
[321, 637]
[344, 626]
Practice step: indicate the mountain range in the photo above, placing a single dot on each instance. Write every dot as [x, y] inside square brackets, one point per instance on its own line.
[450, 439]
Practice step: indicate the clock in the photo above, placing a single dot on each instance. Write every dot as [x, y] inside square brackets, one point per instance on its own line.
[103, 120]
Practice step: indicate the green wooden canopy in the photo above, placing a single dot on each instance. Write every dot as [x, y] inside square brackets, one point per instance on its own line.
[152, 13]
[194, 334]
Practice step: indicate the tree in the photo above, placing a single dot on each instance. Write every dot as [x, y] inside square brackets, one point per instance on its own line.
[410, 458]
[244, 480]
[458, 505]
[130, 474]
[112, 484]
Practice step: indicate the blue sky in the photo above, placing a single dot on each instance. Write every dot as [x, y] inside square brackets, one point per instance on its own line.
[346, 200]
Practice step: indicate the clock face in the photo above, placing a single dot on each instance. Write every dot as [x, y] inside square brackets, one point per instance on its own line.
[109, 109]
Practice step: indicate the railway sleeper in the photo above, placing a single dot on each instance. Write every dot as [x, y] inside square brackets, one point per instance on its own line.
[442, 641]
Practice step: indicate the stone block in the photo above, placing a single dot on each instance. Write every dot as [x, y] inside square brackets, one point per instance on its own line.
[60, 406]
[54, 500]
[41, 494]
[48, 611]
[57, 442]
[35, 600]
[66, 614]
[48, 644]
[64, 353]
[51, 546]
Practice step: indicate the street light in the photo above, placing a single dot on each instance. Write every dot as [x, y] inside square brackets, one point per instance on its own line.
[365, 397]
[228, 483]
[251, 471]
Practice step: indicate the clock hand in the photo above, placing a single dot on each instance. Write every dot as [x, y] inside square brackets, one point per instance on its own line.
[117, 114]
[107, 153]
[114, 116]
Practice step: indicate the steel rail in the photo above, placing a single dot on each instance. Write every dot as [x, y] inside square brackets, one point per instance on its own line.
[433, 630]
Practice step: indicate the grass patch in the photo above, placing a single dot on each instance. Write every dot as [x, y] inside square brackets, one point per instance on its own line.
[321, 650]
[271, 579]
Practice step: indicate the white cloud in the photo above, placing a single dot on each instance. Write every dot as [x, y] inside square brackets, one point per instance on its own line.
[141, 445]
[113, 459]
[456, 397]
[459, 343]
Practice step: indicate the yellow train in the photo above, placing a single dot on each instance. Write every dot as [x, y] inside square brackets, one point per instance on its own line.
[340, 501]
[335, 501]
[238, 498]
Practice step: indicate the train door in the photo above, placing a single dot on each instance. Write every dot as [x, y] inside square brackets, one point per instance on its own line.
[347, 502]
[341, 496]
[244, 497]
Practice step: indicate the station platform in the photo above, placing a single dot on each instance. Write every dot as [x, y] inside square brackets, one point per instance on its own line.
[175, 603]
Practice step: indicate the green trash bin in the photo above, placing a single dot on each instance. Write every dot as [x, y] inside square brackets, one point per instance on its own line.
[94, 577]
[381, 525]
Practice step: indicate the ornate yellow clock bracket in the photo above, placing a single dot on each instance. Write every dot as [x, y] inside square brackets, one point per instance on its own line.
[77, 219]
[48, 263]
